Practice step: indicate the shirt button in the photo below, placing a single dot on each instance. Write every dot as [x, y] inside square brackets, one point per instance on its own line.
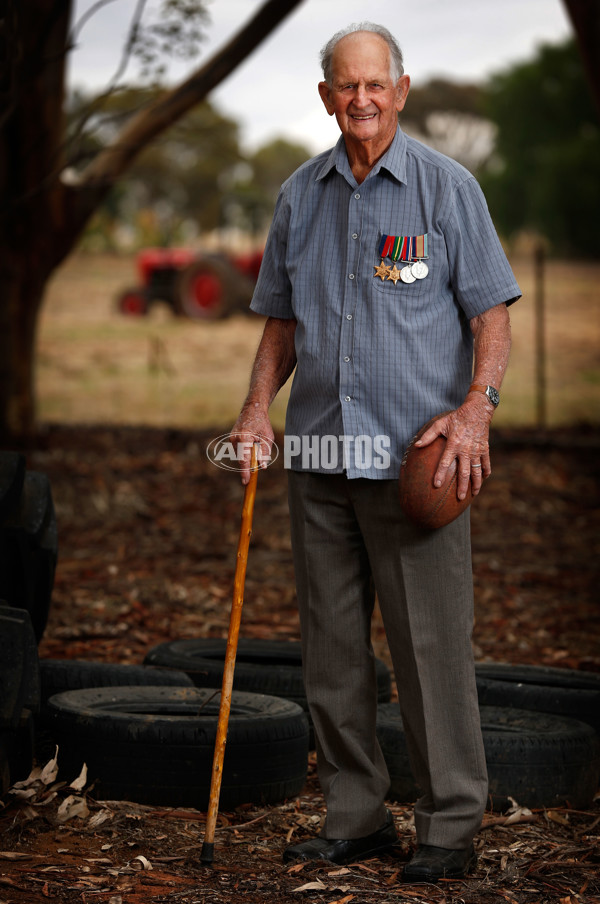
[346, 358]
[355, 235]
[357, 196]
[351, 276]
[347, 398]
[348, 316]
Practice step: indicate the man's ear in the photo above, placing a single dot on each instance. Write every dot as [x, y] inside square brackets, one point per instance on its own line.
[402, 88]
[325, 94]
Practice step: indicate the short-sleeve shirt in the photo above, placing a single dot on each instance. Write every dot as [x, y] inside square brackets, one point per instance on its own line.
[377, 357]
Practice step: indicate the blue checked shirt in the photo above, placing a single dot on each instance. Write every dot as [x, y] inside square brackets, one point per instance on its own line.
[374, 358]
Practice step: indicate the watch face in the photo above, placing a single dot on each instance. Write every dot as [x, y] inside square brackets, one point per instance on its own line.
[493, 395]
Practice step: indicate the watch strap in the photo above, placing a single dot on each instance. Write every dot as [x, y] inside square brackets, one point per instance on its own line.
[490, 391]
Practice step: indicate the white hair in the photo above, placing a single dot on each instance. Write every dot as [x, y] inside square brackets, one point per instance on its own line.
[396, 59]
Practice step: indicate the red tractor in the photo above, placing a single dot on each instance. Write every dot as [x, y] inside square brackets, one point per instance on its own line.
[203, 287]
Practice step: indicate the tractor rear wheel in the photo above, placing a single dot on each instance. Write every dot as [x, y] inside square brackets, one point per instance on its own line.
[207, 289]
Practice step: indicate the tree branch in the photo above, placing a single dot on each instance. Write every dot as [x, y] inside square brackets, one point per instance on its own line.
[112, 162]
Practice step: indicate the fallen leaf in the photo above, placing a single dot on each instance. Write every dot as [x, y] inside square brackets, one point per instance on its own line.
[519, 814]
[72, 807]
[98, 819]
[80, 782]
[393, 878]
[33, 777]
[140, 862]
[14, 855]
[312, 886]
[23, 794]
[366, 869]
[560, 818]
[296, 868]
[50, 770]
[46, 799]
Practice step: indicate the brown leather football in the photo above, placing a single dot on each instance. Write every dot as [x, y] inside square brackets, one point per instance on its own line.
[423, 503]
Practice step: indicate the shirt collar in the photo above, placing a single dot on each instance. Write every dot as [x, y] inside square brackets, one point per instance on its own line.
[394, 160]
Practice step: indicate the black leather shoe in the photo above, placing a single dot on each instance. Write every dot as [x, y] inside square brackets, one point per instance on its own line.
[339, 850]
[432, 863]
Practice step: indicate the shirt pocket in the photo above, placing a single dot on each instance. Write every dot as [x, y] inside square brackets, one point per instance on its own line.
[386, 273]
[385, 281]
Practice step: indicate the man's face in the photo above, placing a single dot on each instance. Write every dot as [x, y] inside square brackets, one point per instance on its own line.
[363, 97]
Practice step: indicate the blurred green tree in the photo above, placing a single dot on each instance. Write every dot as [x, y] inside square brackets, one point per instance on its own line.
[182, 176]
[545, 174]
[253, 196]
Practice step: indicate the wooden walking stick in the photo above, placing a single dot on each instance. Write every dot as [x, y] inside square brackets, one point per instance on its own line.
[208, 845]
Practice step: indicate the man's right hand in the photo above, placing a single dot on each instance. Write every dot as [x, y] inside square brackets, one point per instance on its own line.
[252, 426]
[274, 362]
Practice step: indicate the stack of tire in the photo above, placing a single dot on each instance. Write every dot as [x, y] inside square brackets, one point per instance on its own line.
[146, 734]
[540, 725]
[155, 744]
[541, 734]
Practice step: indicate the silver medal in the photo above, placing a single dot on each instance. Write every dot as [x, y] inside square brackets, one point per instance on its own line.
[419, 270]
[406, 274]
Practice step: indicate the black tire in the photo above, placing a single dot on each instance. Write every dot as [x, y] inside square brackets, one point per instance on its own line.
[19, 669]
[133, 302]
[29, 550]
[539, 760]
[12, 475]
[20, 747]
[154, 745]
[5, 782]
[16, 751]
[60, 675]
[564, 692]
[262, 666]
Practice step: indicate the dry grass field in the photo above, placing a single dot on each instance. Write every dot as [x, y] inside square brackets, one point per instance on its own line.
[96, 366]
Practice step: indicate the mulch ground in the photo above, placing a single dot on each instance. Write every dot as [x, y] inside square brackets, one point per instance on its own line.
[148, 530]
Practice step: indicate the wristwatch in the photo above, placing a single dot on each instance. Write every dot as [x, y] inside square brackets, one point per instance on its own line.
[490, 391]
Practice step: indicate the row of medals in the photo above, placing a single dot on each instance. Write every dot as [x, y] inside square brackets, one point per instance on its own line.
[408, 274]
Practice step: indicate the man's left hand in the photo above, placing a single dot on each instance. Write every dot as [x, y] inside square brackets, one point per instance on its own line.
[467, 448]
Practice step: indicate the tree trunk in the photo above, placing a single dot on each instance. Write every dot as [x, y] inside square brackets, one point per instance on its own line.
[585, 18]
[23, 289]
[32, 213]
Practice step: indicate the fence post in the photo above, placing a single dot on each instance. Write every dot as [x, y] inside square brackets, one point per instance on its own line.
[540, 336]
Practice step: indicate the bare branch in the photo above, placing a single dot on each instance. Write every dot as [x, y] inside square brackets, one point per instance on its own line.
[129, 45]
[78, 27]
[170, 106]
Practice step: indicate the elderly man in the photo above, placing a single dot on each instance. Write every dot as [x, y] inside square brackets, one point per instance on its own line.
[386, 289]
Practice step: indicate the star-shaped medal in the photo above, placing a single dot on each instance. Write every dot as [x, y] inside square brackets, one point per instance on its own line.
[382, 270]
[394, 274]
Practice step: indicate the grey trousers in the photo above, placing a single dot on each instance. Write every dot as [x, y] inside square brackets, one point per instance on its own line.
[350, 539]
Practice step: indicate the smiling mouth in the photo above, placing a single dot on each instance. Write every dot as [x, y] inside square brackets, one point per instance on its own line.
[363, 118]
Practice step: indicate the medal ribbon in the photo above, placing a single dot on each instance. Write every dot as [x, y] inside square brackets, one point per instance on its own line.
[403, 247]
